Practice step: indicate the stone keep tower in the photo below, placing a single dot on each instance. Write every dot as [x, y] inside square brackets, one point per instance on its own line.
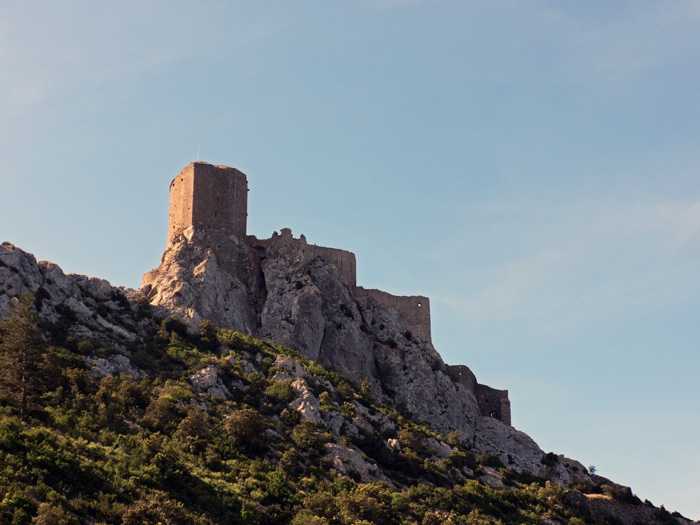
[207, 196]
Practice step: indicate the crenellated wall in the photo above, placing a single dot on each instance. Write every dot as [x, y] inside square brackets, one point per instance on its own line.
[414, 309]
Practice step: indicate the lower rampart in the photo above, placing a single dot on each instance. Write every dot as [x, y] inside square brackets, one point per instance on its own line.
[493, 403]
[413, 309]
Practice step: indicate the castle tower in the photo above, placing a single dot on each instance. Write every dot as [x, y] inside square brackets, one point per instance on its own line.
[207, 196]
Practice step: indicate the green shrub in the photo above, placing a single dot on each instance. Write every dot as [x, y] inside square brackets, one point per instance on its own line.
[290, 416]
[304, 436]
[246, 428]
[280, 391]
[348, 410]
[489, 460]
[326, 402]
[345, 390]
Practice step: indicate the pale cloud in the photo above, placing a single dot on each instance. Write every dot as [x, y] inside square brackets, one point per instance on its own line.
[622, 42]
[56, 50]
[391, 4]
[582, 264]
[685, 221]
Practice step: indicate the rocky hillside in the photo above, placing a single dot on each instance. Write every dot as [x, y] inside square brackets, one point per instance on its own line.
[277, 293]
[137, 419]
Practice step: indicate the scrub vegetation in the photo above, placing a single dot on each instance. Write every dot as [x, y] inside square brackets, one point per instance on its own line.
[74, 449]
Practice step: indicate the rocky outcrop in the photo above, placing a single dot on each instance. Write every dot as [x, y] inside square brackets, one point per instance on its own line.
[276, 293]
[292, 368]
[273, 289]
[208, 275]
[305, 402]
[99, 367]
[519, 451]
[208, 381]
[348, 461]
[89, 309]
[615, 508]
[281, 290]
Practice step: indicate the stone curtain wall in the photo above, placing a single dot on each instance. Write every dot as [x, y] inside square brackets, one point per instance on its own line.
[181, 196]
[493, 403]
[343, 260]
[207, 196]
[414, 309]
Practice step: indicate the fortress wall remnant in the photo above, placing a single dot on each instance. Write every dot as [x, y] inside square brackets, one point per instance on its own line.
[414, 309]
[462, 375]
[343, 260]
[181, 192]
[493, 403]
[207, 196]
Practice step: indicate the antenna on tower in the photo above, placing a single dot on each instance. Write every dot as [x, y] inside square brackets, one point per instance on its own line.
[197, 152]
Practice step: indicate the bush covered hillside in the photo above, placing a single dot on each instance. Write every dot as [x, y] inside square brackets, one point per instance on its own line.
[164, 426]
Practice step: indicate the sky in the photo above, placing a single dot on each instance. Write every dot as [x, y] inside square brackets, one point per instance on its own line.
[532, 167]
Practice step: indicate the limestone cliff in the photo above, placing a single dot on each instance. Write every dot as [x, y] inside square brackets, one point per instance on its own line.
[286, 291]
[90, 308]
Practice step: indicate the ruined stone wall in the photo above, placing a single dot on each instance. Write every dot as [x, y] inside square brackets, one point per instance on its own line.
[463, 376]
[343, 260]
[181, 196]
[414, 309]
[207, 196]
[493, 403]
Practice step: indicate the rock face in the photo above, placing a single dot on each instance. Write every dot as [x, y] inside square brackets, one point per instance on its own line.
[275, 290]
[305, 297]
[93, 309]
[116, 364]
[195, 283]
[325, 317]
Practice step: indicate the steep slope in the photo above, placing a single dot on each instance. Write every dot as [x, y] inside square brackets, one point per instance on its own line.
[142, 421]
[275, 290]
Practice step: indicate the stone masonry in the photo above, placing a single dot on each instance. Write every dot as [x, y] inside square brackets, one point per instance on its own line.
[206, 196]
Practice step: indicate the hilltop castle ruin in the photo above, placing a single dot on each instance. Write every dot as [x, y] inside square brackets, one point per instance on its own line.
[208, 197]
[295, 293]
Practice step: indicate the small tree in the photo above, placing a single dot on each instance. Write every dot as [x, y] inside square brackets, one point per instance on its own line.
[246, 428]
[21, 354]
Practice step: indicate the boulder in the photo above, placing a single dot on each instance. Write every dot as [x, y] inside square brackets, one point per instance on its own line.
[208, 381]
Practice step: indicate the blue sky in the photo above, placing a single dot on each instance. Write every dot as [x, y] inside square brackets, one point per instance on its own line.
[533, 167]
